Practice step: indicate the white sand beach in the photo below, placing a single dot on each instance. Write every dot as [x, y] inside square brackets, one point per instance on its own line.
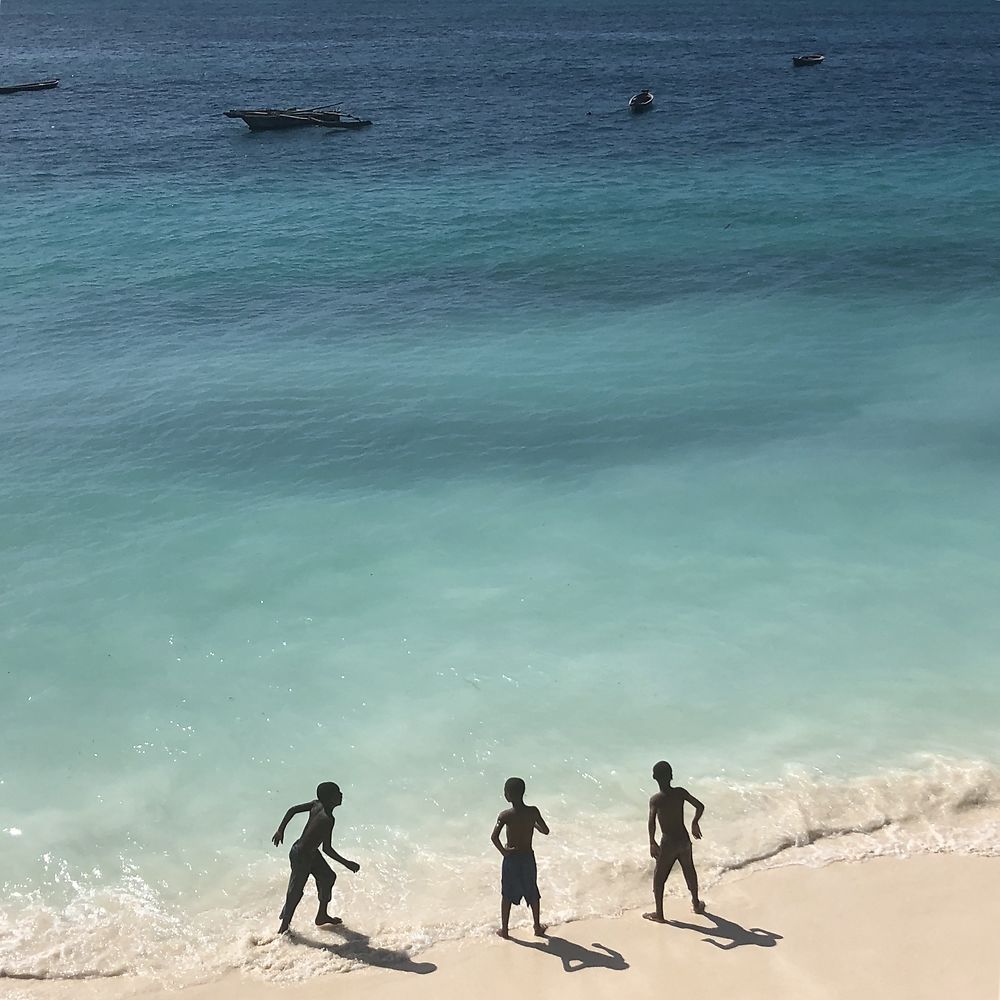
[914, 928]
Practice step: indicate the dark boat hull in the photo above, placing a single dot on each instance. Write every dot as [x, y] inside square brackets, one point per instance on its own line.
[807, 60]
[24, 88]
[274, 121]
[637, 105]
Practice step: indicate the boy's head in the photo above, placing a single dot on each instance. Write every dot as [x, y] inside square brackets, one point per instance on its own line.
[663, 773]
[329, 794]
[513, 790]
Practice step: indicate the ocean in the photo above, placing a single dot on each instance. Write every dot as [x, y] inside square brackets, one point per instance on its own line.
[514, 435]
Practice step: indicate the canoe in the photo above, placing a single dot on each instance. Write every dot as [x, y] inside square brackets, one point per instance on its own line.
[814, 60]
[20, 88]
[640, 102]
[273, 119]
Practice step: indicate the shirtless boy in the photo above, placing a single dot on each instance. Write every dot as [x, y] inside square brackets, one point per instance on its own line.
[305, 855]
[519, 875]
[667, 807]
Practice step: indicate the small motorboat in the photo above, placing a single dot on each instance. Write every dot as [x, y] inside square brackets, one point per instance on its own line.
[23, 88]
[813, 60]
[640, 102]
[270, 119]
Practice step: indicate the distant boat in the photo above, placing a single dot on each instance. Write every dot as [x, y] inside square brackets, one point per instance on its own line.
[23, 88]
[19, 88]
[272, 119]
[814, 60]
[640, 102]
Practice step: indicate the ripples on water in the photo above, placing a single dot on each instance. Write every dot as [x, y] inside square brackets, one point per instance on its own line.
[495, 438]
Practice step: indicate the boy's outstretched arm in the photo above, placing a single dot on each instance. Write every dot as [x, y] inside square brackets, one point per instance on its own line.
[501, 823]
[698, 810]
[540, 825]
[654, 847]
[279, 834]
[351, 866]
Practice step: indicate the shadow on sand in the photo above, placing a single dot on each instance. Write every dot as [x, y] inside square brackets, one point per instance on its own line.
[575, 957]
[734, 935]
[357, 947]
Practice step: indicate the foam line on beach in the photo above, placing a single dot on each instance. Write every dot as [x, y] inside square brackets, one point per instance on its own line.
[590, 868]
[82, 974]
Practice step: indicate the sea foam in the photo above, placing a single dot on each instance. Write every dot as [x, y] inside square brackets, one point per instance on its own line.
[408, 897]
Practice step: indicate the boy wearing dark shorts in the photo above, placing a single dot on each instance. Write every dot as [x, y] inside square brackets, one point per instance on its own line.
[519, 875]
[305, 857]
[667, 808]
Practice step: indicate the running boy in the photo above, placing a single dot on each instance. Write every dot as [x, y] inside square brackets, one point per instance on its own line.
[519, 875]
[305, 855]
[667, 806]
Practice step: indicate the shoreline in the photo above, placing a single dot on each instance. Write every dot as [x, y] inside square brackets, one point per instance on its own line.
[914, 927]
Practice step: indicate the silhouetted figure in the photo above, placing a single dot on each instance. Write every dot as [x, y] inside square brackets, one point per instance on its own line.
[575, 957]
[737, 936]
[357, 947]
[519, 875]
[305, 857]
[667, 807]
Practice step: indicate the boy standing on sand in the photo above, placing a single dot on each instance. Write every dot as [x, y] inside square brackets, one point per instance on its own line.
[305, 858]
[519, 875]
[667, 806]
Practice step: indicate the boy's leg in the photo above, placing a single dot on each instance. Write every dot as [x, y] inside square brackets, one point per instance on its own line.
[531, 894]
[504, 917]
[536, 906]
[691, 877]
[664, 865]
[507, 891]
[325, 878]
[296, 884]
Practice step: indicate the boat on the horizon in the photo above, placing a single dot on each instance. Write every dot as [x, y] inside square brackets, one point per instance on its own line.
[811, 60]
[640, 102]
[20, 88]
[272, 119]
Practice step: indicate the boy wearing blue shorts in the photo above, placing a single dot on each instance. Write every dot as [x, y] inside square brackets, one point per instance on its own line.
[519, 875]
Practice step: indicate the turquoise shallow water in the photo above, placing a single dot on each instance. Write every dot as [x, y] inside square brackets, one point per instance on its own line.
[482, 443]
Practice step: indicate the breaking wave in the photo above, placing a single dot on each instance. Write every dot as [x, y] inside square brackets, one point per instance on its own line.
[411, 898]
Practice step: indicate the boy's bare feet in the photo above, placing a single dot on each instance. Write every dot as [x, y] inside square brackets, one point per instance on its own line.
[503, 933]
[698, 905]
[540, 930]
[328, 921]
[657, 918]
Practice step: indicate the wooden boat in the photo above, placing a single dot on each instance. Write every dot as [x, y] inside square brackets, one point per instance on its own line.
[640, 102]
[814, 60]
[20, 88]
[271, 119]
